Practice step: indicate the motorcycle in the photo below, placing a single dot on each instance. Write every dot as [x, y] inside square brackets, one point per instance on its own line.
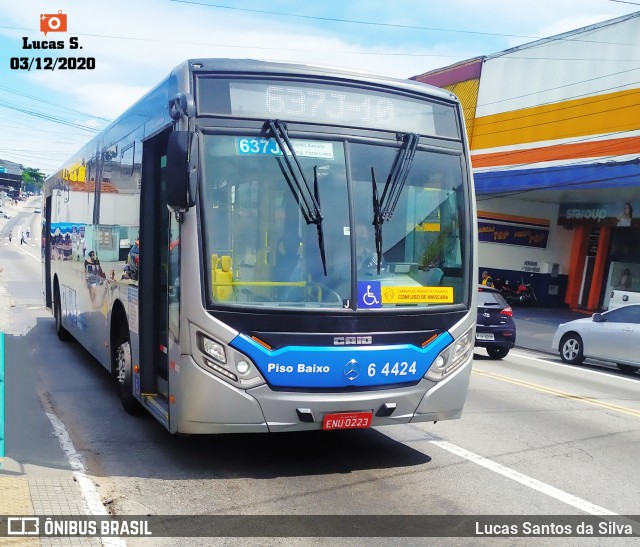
[520, 293]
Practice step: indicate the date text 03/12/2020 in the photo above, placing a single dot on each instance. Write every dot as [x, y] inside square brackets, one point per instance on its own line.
[52, 63]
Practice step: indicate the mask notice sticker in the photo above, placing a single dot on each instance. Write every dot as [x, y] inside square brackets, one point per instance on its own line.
[417, 295]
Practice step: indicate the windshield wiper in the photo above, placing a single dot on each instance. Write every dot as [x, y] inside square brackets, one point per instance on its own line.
[384, 206]
[377, 219]
[398, 175]
[308, 201]
[316, 194]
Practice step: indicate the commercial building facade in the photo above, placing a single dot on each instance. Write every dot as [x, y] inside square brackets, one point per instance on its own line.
[10, 178]
[554, 129]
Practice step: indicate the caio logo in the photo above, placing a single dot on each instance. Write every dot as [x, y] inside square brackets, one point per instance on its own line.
[53, 22]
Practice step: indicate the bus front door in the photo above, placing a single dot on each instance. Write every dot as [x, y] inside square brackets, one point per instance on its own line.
[155, 270]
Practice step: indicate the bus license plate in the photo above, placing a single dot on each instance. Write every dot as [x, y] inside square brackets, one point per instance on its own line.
[347, 420]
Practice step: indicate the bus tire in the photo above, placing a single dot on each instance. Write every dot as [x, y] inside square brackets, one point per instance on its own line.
[63, 334]
[122, 367]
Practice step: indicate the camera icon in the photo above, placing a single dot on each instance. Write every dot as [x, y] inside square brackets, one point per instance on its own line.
[53, 22]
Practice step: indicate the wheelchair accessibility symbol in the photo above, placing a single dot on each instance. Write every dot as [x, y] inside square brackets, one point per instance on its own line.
[369, 294]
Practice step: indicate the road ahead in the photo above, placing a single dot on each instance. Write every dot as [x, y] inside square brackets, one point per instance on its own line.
[537, 438]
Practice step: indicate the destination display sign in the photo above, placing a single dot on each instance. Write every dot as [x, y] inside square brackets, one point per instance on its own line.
[326, 103]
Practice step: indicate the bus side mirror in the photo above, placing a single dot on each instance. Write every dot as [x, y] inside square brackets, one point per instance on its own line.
[178, 195]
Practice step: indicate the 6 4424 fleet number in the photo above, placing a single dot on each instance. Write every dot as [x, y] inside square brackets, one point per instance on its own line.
[401, 368]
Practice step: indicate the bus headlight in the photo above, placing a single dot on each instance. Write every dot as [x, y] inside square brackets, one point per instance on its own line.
[451, 357]
[226, 363]
[211, 348]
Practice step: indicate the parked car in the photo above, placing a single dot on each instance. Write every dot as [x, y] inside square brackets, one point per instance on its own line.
[495, 329]
[612, 336]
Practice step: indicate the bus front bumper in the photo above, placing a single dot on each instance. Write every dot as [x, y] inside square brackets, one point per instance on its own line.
[211, 405]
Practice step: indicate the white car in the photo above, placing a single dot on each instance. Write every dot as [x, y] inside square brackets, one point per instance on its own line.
[4, 214]
[610, 336]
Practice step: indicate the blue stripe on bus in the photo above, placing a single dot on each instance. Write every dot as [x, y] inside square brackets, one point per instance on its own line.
[344, 366]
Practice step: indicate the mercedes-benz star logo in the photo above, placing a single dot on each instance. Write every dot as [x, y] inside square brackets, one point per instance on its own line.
[352, 370]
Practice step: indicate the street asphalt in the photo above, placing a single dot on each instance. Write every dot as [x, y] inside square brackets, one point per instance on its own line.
[535, 326]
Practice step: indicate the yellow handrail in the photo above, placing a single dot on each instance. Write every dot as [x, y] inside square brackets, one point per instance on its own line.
[259, 283]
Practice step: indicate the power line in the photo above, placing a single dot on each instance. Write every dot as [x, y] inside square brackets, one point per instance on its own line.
[304, 50]
[48, 117]
[596, 99]
[373, 23]
[588, 80]
[260, 48]
[351, 21]
[26, 95]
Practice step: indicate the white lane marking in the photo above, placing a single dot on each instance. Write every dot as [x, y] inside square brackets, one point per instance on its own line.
[590, 371]
[88, 490]
[24, 251]
[527, 481]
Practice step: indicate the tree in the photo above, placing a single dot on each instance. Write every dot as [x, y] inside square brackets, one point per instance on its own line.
[32, 177]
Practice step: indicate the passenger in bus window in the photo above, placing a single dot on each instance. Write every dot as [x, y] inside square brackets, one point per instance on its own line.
[288, 266]
[366, 256]
[287, 257]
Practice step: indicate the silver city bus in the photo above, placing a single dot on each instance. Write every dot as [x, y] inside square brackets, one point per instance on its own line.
[256, 246]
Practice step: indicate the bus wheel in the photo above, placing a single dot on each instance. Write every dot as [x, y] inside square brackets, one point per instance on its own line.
[63, 334]
[122, 357]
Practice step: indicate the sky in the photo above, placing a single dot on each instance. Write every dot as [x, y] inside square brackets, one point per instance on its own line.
[47, 115]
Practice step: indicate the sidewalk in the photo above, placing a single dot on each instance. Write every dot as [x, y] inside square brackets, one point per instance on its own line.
[535, 327]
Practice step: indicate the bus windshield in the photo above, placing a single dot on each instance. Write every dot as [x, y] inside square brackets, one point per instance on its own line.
[262, 251]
